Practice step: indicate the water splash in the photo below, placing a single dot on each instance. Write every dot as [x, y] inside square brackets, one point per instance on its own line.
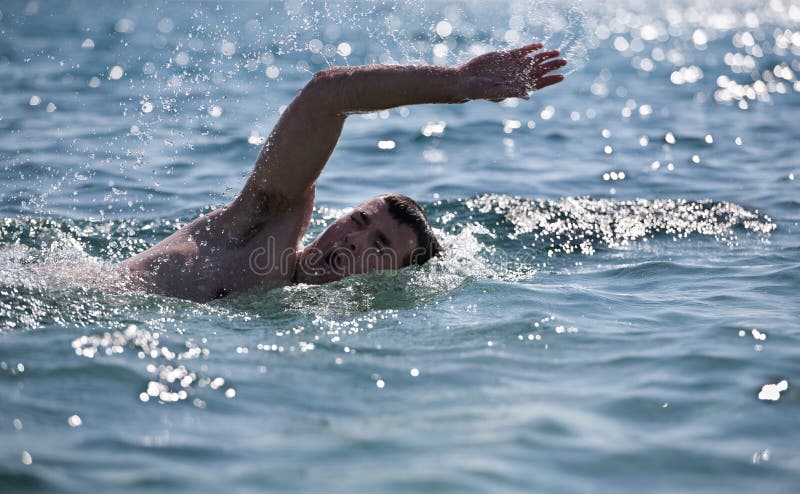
[581, 224]
[48, 275]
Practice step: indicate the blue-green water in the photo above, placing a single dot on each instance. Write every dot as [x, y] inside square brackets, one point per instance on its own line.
[617, 309]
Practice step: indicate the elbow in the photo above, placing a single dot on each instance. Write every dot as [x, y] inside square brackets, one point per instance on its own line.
[323, 80]
[322, 89]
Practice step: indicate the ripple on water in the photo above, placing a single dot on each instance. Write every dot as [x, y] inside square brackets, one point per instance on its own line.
[541, 367]
[45, 259]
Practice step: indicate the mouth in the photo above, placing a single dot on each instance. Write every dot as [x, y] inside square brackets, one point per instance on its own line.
[331, 259]
[339, 261]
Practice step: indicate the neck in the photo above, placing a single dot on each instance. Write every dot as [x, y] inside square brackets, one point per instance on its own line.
[303, 273]
[300, 275]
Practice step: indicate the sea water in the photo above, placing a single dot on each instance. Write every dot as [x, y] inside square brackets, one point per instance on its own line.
[616, 310]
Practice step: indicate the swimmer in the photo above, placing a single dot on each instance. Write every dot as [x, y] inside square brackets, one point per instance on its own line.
[255, 241]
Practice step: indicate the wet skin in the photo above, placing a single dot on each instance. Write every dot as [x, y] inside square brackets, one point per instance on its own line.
[256, 239]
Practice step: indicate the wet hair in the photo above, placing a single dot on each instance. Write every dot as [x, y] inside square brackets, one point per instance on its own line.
[408, 212]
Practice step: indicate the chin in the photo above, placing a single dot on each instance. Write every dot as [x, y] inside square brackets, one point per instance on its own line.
[316, 270]
[321, 278]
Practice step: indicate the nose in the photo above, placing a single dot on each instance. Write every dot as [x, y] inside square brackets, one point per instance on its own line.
[355, 241]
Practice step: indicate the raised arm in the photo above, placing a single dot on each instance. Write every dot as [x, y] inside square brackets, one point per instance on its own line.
[306, 134]
[493, 76]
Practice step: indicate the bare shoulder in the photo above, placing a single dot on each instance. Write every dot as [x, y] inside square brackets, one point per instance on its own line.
[210, 256]
[246, 215]
[169, 267]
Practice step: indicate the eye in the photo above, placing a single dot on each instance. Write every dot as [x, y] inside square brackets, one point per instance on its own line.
[360, 218]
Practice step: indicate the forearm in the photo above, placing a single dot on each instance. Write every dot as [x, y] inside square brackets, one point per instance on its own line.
[308, 129]
[344, 90]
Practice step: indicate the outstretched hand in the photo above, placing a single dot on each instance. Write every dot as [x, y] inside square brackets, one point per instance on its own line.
[510, 74]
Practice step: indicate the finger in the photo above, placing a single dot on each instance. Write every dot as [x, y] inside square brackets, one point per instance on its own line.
[525, 50]
[545, 55]
[540, 70]
[547, 81]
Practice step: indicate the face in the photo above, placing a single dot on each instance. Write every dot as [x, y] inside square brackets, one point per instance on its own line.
[366, 239]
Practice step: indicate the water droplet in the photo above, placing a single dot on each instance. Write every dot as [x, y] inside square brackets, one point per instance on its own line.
[344, 49]
[315, 46]
[772, 392]
[760, 456]
[116, 73]
[165, 25]
[433, 129]
[444, 29]
[227, 48]
[272, 72]
[124, 26]
[510, 125]
[182, 58]
[699, 37]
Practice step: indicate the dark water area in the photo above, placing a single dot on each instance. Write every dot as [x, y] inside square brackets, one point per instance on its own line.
[616, 310]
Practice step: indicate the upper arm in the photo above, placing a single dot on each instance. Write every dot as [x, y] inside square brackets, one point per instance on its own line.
[304, 138]
[294, 155]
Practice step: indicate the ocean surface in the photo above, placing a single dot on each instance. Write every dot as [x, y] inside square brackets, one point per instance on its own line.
[617, 309]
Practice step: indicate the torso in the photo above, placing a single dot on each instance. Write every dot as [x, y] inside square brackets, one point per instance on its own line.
[203, 261]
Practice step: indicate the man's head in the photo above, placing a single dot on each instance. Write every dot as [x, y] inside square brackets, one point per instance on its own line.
[386, 232]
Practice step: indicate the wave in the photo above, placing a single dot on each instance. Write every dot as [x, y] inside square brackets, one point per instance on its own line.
[58, 272]
[582, 224]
